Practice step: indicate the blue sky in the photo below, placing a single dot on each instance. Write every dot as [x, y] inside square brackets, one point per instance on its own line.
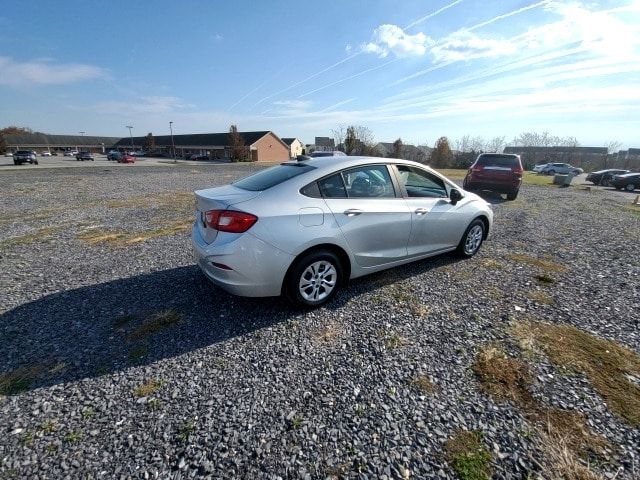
[414, 69]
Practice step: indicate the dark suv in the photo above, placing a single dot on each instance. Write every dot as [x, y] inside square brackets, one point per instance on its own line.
[25, 156]
[497, 172]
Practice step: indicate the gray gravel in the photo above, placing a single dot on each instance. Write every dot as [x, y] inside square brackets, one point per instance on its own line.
[253, 388]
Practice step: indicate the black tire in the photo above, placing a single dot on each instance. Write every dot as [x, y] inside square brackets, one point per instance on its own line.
[297, 270]
[551, 172]
[618, 188]
[15, 162]
[512, 195]
[36, 162]
[630, 187]
[462, 251]
[605, 182]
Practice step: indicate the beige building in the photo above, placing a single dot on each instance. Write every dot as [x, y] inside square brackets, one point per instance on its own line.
[296, 147]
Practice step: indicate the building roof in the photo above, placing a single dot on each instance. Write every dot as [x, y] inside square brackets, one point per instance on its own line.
[43, 139]
[634, 151]
[556, 149]
[195, 139]
[289, 141]
[325, 142]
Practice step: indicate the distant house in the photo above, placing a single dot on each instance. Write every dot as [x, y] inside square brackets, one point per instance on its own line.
[325, 144]
[296, 147]
[264, 146]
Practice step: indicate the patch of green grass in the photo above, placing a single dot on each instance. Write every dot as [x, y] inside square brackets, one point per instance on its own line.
[88, 413]
[153, 404]
[73, 437]
[359, 411]
[633, 209]
[186, 430]
[537, 262]
[48, 426]
[148, 388]
[468, 456]
[27, 439]
[296, 422]
[19, 380]
[52, 448]
[156, 322]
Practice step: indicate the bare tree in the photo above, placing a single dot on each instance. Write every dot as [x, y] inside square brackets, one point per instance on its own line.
[236, 142]
[613, 146]
[339, 134]
[149, 142]
[496, 144]
[350, 140]
[544, 139]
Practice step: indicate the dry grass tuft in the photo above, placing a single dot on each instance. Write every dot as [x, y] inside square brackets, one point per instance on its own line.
[468, 457]
[540, 297]
[394, 341]
[424, 383]
[559, 460]
[537, 262]
[491, 263]
[19, 380]
[95, 236]
[36, 236]
[329, 333]
[155, 323]
[544, 279]
[148, 388]
[608, 365]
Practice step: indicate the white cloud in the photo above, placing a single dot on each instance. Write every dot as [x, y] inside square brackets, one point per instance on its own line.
[464, 45]
[219, 36]
[392, 39]
[45, 72]
[144, 106]
[290, 107]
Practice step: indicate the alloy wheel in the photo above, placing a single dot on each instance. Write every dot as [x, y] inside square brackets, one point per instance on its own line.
[318, 281]
[473, 240]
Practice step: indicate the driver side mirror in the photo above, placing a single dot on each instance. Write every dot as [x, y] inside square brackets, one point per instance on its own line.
[455, 196]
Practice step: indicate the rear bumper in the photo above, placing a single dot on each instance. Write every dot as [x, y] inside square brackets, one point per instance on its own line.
[257, 268]
[506, 186]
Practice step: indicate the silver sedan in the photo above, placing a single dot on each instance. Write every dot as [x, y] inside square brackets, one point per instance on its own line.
[305, 228]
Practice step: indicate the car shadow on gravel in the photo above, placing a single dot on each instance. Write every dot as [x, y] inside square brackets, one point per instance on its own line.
[106, 328]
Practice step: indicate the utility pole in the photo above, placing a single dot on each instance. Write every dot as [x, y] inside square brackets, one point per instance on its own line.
[173, 147]
[130, 135]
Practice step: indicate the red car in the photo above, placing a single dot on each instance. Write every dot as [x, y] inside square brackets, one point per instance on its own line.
[501, 173]
[126, 158]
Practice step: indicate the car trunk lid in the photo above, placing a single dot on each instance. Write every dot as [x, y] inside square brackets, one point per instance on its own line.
[218, 198]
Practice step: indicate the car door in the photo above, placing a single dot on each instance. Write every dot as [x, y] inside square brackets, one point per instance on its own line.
[437, 225]
[374, 219]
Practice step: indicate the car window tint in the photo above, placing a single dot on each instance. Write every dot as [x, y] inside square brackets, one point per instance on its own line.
[369, 181]
[332, 187]
[272, 176]
[498, 161]
[312, 190]
[420, 183]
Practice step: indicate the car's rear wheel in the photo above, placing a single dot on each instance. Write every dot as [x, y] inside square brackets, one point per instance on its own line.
[630, 187]
[314, 279]
[551, 172]
[605, 182]
[472, 239]
[512, 195]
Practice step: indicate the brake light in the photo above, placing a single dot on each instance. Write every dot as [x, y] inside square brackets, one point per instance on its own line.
[477, 168]
[517, 170]
[229, 220]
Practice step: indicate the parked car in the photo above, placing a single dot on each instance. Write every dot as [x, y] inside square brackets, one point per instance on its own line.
[564, 168]
[71, 153]
[497, 172]
[25, 156]
[82, 156]
[199, 157]
[311, 226]
[46, 154]
[628, 181]
[138, 153]
[335, 153]
[114, 155]
[127, 158]
[603, 177]
[538, 168]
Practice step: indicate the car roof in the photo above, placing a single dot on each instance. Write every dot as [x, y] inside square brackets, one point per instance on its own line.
[630, 174]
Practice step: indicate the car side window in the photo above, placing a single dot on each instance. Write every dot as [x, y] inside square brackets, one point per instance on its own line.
[332, 187]
[420, 183]
[369, 181]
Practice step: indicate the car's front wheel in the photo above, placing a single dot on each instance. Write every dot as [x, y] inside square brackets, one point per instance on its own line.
[314, 278]
[630, 187]
[472, 239]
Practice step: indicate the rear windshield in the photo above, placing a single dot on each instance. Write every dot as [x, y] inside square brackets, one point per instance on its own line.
[322, 154]
[272, 176]
[498, 161]
[24, 152]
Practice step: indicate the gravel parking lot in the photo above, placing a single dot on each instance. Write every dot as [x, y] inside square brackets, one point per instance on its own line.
[120, 360]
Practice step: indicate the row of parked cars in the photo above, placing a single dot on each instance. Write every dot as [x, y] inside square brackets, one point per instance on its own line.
[617, 178]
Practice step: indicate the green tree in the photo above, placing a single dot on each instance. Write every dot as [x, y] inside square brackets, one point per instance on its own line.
[441, 156]
[149, 142]
[236, 142]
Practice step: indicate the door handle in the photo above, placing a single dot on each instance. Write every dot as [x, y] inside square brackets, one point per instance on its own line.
[421, 211]
[352, 212]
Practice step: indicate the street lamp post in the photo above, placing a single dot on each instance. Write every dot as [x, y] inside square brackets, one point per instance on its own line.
[173, 147]
[131, 136]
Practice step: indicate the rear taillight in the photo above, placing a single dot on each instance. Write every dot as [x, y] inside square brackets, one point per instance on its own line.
[517, 170]
[477, 168]
[229, 220]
